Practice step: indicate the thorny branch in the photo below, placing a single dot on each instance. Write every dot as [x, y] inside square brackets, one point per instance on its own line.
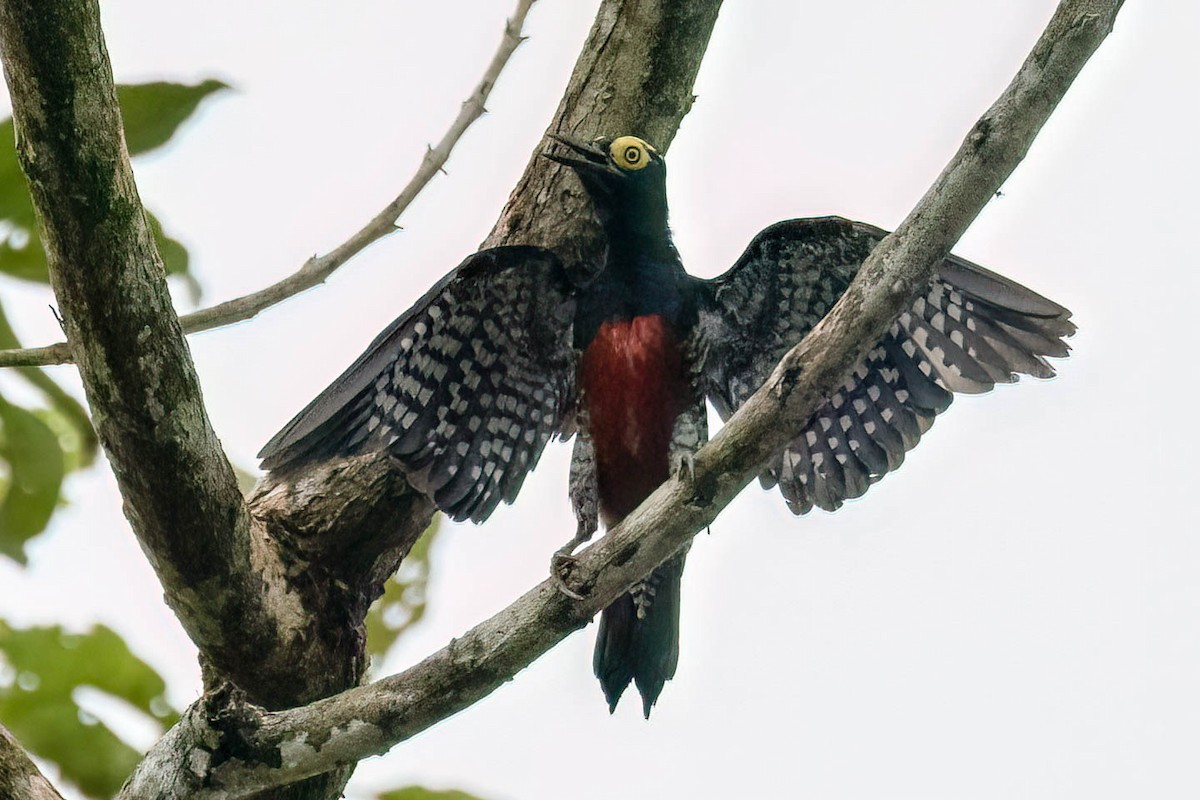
[273, 607]
[370, 719]
[318, 268]
[108, 278]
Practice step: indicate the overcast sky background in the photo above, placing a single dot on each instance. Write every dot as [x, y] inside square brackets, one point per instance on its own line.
[1013, 614]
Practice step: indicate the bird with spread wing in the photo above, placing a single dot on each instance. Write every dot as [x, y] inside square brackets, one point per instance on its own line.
[510, 350]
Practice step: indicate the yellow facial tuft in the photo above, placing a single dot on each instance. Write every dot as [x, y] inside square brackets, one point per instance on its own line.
[630, 153]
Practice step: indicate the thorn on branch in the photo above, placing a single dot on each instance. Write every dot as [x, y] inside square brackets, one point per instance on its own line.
[250, 305]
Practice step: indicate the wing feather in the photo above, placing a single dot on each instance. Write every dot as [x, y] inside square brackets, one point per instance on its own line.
[970, 330]
[464, 389]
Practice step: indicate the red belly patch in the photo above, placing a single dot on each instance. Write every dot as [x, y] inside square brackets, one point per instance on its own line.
[633, 381]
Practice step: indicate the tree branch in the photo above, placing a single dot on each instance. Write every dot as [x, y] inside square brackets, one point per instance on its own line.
[317, 269]
[44, 356]
[272, 607]
[180, 493]
[20, 778]
[347, 523]
[634, 73]
[237, 749]
[634, 76]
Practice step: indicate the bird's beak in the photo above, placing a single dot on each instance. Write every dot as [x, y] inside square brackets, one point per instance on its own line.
[579, 155]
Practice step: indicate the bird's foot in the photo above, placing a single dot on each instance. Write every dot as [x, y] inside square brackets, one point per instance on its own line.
[561, 564]
[564, 560]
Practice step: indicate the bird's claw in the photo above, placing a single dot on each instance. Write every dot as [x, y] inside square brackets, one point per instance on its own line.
[564, 558]
[560, 567]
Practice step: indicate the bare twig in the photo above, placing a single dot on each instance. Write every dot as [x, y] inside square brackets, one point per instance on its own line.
[180, 493]
[49, 355]
[318, 268]
[298, 624]
[259, 750]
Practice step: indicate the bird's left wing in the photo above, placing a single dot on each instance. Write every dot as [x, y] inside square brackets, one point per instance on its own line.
[969, 330]
[464, 389]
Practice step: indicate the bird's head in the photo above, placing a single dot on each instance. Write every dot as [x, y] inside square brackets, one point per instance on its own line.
[625, 176]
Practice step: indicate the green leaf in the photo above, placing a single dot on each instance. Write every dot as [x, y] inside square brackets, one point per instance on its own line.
[42, 669]
[22, 256]
[37, 448]
[15, 204]
[78, 437]
[153, 112]
[78, 446]
[421, 793]
[403, 602]
[174, 257]
[67, 418]
[21, 253]
[31, 452]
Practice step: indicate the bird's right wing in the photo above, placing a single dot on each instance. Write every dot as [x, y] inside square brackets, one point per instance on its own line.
[464, 389]
[969, 330]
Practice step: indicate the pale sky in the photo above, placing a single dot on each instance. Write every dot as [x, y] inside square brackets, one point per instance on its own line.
[1012, 614]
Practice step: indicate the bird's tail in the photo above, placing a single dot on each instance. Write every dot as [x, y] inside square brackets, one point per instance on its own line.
[638, 638]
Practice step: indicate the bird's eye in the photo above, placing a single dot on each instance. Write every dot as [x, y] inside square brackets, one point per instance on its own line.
[630, 153]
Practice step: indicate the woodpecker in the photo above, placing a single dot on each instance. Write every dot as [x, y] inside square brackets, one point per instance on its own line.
[512, 349]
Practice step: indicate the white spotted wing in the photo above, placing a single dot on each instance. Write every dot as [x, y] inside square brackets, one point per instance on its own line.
[970, 330]
[464, 389]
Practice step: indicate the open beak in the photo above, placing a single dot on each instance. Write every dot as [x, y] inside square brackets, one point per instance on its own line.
[578, 155]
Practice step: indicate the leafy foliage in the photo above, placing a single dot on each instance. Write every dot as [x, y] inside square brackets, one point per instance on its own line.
[41, 671]
[421, 793]
[403, 602]
[35, 473]
[37, 448]
[402, 606]
[152, 113]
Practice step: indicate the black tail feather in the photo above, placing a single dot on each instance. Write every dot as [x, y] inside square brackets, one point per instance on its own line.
[641, 649]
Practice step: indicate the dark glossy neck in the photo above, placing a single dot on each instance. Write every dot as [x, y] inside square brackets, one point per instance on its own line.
[636, 225]
[634, 242]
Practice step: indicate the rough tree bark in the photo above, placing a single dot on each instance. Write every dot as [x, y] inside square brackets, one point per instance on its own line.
[273, 591]
[180, 493]
[371, 719]
[228, 747]
[634, 74]
[19, 777]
